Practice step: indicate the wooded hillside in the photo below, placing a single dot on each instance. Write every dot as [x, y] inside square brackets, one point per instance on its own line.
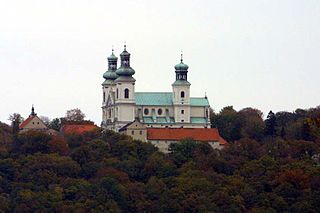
[271, 165]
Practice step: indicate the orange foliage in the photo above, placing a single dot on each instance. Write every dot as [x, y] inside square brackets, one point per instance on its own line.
[59, 145]
[296, 177]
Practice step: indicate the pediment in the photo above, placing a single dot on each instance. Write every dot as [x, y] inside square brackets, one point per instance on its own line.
[110, 99]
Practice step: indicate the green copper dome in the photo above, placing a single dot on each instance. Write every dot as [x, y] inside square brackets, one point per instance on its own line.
[125, 69]
[112, 67]
[181, 66]
[112, 57]
[110, 75]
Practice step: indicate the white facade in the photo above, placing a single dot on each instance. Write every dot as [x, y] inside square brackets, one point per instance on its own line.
[122, 105]
[164, 145]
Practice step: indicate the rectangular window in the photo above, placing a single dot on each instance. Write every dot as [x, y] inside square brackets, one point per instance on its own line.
[182, 111]
[132, 132]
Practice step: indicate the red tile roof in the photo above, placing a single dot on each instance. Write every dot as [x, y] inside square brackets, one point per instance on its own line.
[78, 128]
[25, 122]
[176, 134]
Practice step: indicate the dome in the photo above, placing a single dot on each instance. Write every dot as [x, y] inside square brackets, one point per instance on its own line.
[112, 57]
[181, 66]
[110, 75]
[125, 71]
[125, 52]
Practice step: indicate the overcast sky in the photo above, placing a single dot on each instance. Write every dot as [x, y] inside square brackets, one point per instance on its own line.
[245, 53]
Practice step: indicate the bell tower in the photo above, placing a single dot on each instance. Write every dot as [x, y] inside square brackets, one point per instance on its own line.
[108, 90]
[181, 94]
[125, 89]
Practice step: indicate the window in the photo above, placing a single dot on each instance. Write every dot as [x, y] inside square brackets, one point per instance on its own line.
[117, 93]
[159, 111]
[126, 93]
[182, 121]
[140, 132]
[37, 122]
[146, 111]
[182, 94]
[182, 111]
[32, 122]
[132, 132]
[104, 97]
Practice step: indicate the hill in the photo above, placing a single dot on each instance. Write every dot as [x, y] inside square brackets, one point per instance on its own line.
[104, 171]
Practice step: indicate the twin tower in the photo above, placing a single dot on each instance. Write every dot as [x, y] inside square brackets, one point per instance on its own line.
[122, 105]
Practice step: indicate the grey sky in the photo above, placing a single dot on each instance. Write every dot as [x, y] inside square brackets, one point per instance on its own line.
[263, 54]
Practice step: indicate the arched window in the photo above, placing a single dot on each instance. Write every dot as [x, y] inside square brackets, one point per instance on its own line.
[182, 94]
[126, 93]
[146, 111]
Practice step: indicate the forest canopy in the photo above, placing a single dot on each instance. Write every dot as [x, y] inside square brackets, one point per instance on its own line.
[270, 165]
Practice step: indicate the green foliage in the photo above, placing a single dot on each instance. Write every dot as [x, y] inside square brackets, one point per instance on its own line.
[55, 124]
[271, 123]
[31, 142]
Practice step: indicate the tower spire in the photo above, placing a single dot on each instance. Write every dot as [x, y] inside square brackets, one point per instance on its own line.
[181, 60]
[32, 111]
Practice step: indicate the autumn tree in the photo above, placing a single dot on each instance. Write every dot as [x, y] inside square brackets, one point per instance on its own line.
[75, 115]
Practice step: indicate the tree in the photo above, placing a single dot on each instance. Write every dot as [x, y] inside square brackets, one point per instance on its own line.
[283, 132]
[306, 131]
[228, 122]
[16, 119]
[45, 119]
[252, 125]
[75, 115]
[271, 123]
[55, 124]
[183, 150]
[58, 145]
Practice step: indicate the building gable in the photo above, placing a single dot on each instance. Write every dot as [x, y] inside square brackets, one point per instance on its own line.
[33, 122]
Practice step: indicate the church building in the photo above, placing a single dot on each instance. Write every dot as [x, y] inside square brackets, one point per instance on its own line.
[122, 104]
[33, 122]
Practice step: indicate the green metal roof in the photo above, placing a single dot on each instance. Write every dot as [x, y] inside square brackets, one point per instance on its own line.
[108, 82]
[158, 120]
[164, 99]
[153, 98]
[196, 120]
[199, 102]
